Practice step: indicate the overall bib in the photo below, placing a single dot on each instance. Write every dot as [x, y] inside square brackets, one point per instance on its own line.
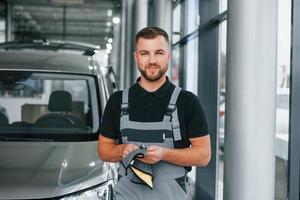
[169, 179]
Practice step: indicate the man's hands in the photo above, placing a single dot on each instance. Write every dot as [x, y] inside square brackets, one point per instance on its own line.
[110, 151]
[154, 154]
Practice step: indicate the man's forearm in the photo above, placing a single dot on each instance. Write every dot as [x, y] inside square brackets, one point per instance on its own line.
[197, 155]
[110, 152]
[194, 156]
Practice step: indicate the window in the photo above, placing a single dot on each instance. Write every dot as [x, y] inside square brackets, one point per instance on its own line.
[191, 66]
[191, 47]
[50, 104]
[185, 45]
[2, 30]
[175, 66]
[283, 94]
[176, 23]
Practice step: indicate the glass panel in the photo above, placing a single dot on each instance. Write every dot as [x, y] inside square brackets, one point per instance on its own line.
[176, 24]
[283, 88]
[222, 72]
[2, 30]
[223, 6]
[175, 66]
[192, 15]
[40, 103]
[191, 66]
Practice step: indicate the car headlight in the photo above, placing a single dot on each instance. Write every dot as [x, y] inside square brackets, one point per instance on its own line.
[100, 192]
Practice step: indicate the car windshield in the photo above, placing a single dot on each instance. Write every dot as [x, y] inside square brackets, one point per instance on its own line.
[54, 106]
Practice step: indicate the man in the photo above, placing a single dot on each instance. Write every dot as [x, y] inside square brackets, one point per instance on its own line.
[169, 121]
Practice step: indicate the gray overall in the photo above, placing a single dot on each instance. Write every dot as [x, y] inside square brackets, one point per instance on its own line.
[168, 178]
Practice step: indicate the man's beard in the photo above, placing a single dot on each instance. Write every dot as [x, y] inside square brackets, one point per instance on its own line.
[155, 77]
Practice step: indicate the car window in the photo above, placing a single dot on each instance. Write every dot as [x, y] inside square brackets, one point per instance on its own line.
[111, 80]
[52, 104]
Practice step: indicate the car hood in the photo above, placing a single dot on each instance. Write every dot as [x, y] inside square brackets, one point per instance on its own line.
[32, 170]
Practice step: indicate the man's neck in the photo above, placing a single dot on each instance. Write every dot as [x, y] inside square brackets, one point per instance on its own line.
[152, 86]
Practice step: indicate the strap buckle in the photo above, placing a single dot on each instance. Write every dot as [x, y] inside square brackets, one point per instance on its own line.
[124, 108]
[170, 109]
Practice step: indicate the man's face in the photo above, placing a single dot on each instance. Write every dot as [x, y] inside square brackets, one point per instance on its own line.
[152, 57]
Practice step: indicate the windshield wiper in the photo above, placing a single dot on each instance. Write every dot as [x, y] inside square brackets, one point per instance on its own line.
[3, 138]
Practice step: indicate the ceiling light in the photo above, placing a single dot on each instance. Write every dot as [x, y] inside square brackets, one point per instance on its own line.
[110, 40]
[109, 46]
[109, 13]
[108, 24]
[116, 20]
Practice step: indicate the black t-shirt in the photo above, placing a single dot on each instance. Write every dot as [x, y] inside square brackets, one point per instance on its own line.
[147, 106]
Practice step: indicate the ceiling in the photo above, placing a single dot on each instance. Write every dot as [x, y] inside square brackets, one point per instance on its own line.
[77, 20]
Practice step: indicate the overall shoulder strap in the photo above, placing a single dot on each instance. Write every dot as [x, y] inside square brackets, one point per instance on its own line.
[125, 105]
[172, 114]
[124, 109]
[175, 95]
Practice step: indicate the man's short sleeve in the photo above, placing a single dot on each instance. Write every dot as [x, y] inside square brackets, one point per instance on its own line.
[111, 117]
[196, 118]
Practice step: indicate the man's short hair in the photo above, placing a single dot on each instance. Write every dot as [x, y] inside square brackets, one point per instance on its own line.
[151, 32]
